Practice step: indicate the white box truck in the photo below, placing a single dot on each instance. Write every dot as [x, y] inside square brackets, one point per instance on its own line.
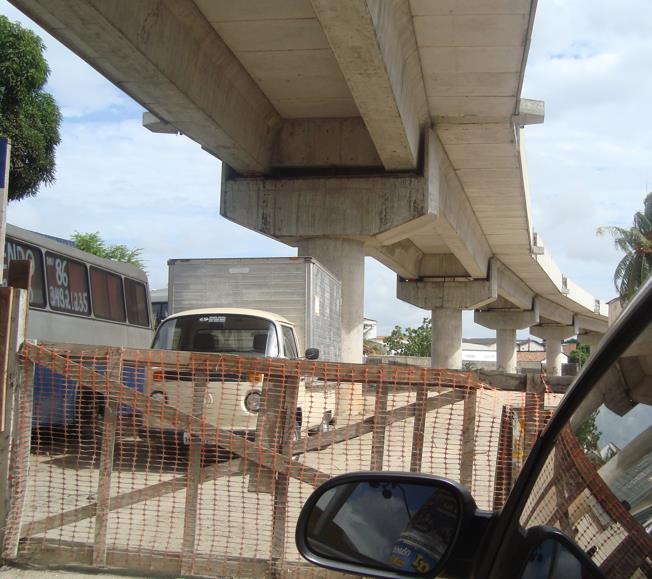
[299, 289]
[216, 306]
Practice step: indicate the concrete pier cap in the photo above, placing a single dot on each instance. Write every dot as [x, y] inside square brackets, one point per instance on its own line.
[553, 335]
[446, 299]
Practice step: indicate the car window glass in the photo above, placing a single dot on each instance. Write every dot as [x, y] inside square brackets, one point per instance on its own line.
[289, 344]
[596, 486]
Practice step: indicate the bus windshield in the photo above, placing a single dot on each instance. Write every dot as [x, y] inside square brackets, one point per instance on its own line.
[221, 333]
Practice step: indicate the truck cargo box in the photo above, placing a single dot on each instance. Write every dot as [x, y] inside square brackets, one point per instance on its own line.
[297, 288]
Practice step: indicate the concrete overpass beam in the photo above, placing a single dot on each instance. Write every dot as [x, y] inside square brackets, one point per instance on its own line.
[168, 57]
[553, 335]
[554, 312]
[591, 339]
[513, 289]
[375, 46]
[345, 259]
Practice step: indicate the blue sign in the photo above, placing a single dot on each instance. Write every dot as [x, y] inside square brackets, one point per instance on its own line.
[4, 145]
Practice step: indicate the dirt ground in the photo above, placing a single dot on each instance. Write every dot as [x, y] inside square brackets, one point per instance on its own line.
[11, 572]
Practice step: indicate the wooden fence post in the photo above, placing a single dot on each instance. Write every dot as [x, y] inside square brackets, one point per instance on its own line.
[199, 386]
[18, 385]
[468, 438]
[107, 449]
[380, 426]
[420, 413]
[282, 482]
[268, 430]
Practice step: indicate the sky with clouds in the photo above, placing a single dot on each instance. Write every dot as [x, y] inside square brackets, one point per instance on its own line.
[590, 163]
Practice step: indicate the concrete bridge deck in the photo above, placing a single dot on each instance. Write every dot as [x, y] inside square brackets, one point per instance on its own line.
[358, 127]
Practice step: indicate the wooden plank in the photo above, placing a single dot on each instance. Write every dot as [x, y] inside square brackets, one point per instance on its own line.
[128, 499]
[399, 376]
[224, 438]
[107, 449]
[194, 476]
[269, 427]
[379, 428]
[6, 300]
[216, 471]
[21, 391]
[6, 407]
[104, 484]
[534, 410]
[468, 438]
[290, 390]
[418, 432]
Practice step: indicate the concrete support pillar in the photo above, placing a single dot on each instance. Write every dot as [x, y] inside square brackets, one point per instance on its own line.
[446, 349]
[345, 259]
[553, 335]
[506, 350]
[506, 322]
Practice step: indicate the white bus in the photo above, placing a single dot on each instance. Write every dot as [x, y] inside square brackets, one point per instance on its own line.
[79, 298]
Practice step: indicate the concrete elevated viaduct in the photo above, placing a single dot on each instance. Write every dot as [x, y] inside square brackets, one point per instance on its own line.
[387, 128]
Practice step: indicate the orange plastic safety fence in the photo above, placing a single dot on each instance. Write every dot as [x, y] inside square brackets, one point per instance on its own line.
[188, 463]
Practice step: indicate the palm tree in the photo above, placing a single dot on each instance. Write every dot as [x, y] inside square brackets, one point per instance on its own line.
[636, 265]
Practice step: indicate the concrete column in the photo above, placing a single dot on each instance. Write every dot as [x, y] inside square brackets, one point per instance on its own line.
[506, 323]
[553, 335]
[345, 259]
[446, 349]
[506, 350]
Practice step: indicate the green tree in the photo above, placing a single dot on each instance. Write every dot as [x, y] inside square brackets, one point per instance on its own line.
[588, 436]
[412, 341]
[636, 242]
[29, 116]
[580, 355]
[93, 243]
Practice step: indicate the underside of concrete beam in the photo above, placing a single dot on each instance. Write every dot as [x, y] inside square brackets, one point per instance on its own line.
[587, 324]
[376, 49]
[167, 57]
[553, 312]
[505, 320]
[463, 295]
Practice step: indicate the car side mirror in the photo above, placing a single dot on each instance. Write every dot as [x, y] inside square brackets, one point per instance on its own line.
[312, 354]
[383, 524]
[552, 555]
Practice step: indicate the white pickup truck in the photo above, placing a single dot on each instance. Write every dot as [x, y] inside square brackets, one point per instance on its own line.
[232, 401]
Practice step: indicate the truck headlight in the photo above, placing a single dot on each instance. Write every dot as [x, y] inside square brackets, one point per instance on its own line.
[252, 401]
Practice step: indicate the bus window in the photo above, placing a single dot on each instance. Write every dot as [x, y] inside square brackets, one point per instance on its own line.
[67, 283]
[17, 250]
[108, 302]
[136, 298]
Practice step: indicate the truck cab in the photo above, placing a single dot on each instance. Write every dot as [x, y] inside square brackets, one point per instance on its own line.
[232, 401]
[236, 331]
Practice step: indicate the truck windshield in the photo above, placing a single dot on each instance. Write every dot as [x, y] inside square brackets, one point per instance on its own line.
[220, 333]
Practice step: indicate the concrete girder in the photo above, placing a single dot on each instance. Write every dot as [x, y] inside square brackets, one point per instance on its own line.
[591, 339]
[590, 324]
[530, 112]
[380, 210]
[403, 257]
[461, 295]
[514, 289]
[554, 312]
[167, 57]
[317, 143]
[507, 320]
[376, 49]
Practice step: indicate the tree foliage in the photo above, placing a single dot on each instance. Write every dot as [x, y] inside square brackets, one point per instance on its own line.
[588, 436]
[580, 355]
[29, 116]
[93, 243]
[411, 341]
[636, 242]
